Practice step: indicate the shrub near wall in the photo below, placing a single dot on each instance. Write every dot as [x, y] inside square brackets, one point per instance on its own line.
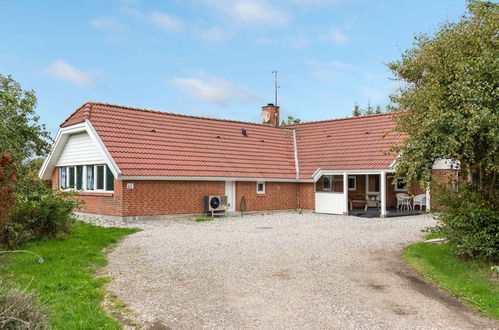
[470, 223]
[38, 213]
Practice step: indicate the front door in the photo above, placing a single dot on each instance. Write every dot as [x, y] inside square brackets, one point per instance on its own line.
[230, 191]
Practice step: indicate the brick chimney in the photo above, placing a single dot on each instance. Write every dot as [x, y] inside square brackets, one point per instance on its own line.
[270, 115]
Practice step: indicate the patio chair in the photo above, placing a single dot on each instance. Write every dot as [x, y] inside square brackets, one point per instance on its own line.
[419, 200]
[403, 201]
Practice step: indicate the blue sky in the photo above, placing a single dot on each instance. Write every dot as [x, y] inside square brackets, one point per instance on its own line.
[212, 57]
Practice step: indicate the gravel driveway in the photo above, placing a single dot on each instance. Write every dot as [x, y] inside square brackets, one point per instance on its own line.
[281, 270]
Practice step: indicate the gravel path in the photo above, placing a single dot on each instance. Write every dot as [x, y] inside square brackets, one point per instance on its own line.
[281, 270]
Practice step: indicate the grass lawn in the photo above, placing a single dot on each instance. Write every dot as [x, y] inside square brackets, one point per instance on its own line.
[471, 281]
[202, 219]
[65, 282]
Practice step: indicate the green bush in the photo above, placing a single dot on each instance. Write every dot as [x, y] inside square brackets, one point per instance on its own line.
[21, 309]
[470, 223]
[39, 213]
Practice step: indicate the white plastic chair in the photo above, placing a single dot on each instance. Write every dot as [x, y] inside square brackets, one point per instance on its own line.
[403, 201]
[420, 200]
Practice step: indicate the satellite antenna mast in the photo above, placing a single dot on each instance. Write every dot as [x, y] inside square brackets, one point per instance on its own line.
[276, 85]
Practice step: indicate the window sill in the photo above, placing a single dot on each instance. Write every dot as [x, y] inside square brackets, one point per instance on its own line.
[261, 195]
[96, 193]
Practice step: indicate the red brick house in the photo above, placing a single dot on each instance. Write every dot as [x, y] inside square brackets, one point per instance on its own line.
[129, 162]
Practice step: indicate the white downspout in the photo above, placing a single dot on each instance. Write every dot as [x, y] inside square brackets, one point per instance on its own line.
[297, 167]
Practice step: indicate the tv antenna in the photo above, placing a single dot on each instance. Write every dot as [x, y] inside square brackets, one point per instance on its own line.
[276, 84]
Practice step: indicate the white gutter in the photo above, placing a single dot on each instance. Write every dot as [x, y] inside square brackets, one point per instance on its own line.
[204, 178]
[297, 167]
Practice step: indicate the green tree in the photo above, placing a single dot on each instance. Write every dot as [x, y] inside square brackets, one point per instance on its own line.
[449, 104]
[357, 111]
[369, 109]
[290, 120]
[21, 134]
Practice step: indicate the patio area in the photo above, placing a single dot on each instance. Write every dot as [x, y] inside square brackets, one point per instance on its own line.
[390, 212]
[368, 193]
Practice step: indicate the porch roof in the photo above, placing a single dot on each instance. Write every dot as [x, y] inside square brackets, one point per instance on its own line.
[347, 144]
[320, 172]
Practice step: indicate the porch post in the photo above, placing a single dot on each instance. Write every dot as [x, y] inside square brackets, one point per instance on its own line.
[345, 193]
[383, 193]
[428, 196]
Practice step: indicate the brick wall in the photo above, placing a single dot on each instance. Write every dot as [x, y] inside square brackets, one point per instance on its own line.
[97, 203]
[278, 196]
[181, 197]
[168, 197]
[307, 196]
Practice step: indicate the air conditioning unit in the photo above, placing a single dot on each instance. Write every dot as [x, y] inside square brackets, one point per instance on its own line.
[216, 203]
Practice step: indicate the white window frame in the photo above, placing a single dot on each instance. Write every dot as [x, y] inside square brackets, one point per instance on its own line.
[354, 183]
[330, 177]
[263, 185]
[104, 178]
[84, 179]
[397, 181]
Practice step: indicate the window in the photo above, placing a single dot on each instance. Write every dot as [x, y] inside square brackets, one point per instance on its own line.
[63, 178]
[401, 184]
[100, 177]
[90, 177]
[109, 179]
[327, 182]
[79, 177]
[352, 183]
[87, 178]
[260, 187]
[71, 176]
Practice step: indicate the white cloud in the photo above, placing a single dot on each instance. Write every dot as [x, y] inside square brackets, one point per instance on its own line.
[214, 34]
[335, 36]
[167, 22]
[63, 70]
[250, 12]
[330, 69]
[215, 90]
[106, 23]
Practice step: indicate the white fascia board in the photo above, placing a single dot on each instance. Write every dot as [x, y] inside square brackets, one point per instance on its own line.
[317, 174]
[48, 166]
[446, 164]
[393, 164]
[97, 140]
[205, 178]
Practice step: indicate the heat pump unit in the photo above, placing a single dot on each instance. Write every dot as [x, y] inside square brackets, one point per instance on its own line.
[215, 203]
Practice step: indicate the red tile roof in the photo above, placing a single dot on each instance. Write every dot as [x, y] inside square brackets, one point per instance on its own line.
[346, 144]
[154, 143]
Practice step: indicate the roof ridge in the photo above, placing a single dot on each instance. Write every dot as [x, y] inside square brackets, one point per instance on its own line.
[339, 119]
[176, 114]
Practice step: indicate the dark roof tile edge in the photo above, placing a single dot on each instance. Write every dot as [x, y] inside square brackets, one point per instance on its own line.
[339, 119]
[173, 114]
